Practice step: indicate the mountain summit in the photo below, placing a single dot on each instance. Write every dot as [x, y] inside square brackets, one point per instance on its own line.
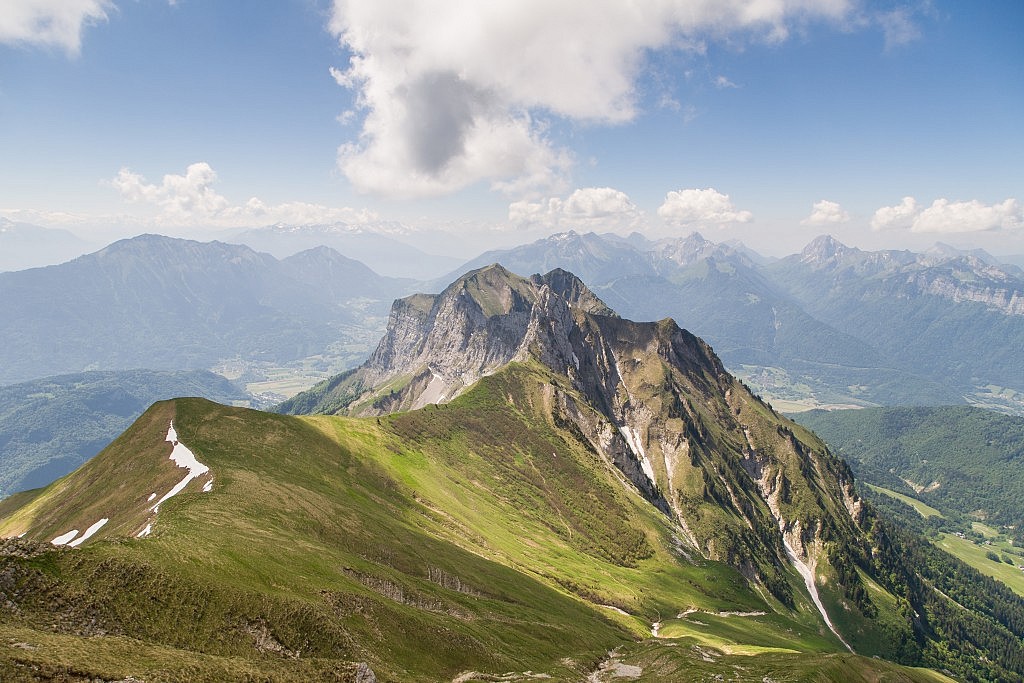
[438, 345]
[650, 399]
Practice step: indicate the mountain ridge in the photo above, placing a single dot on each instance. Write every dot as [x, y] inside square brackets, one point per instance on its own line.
[595, 478]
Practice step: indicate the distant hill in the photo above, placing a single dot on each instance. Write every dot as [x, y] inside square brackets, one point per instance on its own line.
[49, 427]
[23, 246]
[165, 303]
[385, 254]
[955, 458]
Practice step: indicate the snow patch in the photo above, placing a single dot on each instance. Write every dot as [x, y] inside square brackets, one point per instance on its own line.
[808, 575]
[632, 437]
[145, 532]
[88, 533]
[151, 497]
[208, 486]
[63, 539]
[182, 457]
[576, 361]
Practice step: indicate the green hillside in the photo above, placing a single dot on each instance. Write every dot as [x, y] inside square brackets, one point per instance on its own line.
[477, 536]
[964, 461]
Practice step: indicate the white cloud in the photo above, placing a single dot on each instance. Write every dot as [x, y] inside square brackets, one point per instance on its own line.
[56, 23]
[973, 216]
[701, 207]
[944, 216]
[825, 212]
[898, 27]
[190, 199]
[722, 82]
[900, 216]
[588, 208]
[453, 93]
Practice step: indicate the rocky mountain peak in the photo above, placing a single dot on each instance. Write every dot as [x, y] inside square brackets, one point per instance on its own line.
[649, 399]
[823, 250]
[436, 346]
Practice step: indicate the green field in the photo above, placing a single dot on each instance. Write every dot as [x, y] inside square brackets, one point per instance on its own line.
[923, 509]
[974, 555]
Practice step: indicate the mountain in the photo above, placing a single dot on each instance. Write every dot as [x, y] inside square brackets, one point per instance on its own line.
[593, 258]
[729, 299]
[385, 254]
[743, 485]
[50, 427]
[601, 480]
[952, 318]
[592, 497]
[178, 304]
[23, 245]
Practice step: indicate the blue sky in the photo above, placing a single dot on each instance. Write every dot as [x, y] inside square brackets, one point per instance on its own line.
[887, 124]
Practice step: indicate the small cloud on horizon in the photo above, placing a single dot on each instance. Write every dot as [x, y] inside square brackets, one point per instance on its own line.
[696, 207]
[588, 208]
[190, 199]
[825, 212]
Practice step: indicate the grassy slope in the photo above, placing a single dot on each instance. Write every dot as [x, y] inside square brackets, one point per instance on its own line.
[923, 509]
[974, 555]
[472, 536]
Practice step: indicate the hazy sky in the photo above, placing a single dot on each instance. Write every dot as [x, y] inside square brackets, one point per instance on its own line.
[770, 121]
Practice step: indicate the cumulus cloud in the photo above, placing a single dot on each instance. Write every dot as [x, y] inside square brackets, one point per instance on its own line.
[57, 23]
[190, 199]
[456, 93]
[588, 208]
[973, 216]
[695, 207]
[184, 197]
[825, 212]
[944, 216]
[900, 216]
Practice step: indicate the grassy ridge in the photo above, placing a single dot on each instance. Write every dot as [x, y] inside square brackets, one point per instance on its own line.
[475, 536]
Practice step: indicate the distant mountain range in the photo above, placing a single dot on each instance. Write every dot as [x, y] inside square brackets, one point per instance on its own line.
[952, 317]
[832, 325]
[165, 303]
[23, 245]
[384, 254]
